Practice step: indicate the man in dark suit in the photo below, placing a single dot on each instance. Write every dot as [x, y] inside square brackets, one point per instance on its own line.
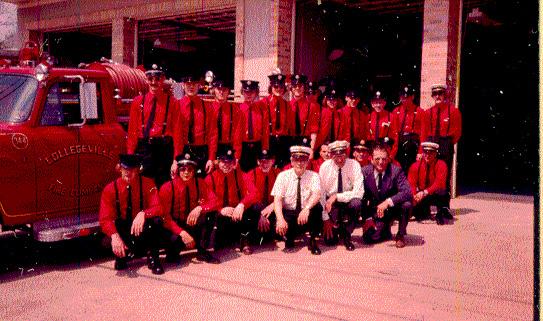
[387, 195]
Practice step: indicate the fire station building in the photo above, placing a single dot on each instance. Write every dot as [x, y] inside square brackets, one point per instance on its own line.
[462, 43]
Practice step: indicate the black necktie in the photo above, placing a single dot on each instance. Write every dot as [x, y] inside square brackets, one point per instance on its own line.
[427, 178]
[333, 129]
[438, 122]
[352, 123]
[298, 125]
[250, 124]
[299, 195]
[191, 122]
[339, 182]
[379, 182]
[150, 120]
[377, 125]
[187, 201]
[225, 192]
[266, 189]
[278, 114]
[129, 204]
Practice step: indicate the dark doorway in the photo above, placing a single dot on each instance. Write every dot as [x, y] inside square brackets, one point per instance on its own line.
[359, 44]
[498, 99]
[74, 47]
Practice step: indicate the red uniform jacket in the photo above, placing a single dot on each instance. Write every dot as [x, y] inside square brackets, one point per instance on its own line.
[430, 177]
[407, 119]
[276, 104]
[341, 126]
[176, 212]
[197, 123]
[228, 128]
[135, 123]
[108, 205]
[450, 122]
[308, 117]
[357, 122]
[259, 179]
[380, 125]
[261, 128]
[240, 188]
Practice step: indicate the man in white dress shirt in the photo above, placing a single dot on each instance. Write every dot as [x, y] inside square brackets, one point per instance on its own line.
[297, 196]
[343, 187]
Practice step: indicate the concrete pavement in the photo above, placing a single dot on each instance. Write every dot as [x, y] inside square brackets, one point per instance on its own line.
[480, 268]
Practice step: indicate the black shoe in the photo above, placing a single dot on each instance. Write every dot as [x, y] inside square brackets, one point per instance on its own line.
[446, 213]
[348, 244]
[289, 244]
[439, 218]
[154, 265]
[120, 264]
[207, 257]
[244, 246]
[313, 247]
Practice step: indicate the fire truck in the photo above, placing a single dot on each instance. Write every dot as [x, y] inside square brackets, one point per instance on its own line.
[60, 138]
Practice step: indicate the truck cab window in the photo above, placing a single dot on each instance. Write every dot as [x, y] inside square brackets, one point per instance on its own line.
[62, 106]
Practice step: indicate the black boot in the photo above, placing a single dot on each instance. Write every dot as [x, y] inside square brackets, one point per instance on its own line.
[447, 213]
[314, 247]
[439, 218]
[348, 244]
[204, 255]
[120, 264]
[244, 246]
[153, 263]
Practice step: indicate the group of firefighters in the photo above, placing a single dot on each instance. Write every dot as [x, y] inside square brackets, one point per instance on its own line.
[198, 174]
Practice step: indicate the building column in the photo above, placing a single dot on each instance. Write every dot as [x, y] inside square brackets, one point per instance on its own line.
[441, 55]
[262, 47]
[441, 48]
[124, 42]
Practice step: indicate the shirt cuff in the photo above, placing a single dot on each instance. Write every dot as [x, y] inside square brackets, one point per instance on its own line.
[325, 216]
[390, 202]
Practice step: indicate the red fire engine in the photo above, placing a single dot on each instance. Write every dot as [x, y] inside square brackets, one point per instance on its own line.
[59, 142]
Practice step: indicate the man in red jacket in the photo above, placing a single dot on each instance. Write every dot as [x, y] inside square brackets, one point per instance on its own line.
[427, 178]
[153, 127]
[306, 113]
[189, 206]
[334, 124]
[443, 126]
[236, 194]
[197, 127]
[380, 124]
[130, 215]
[256, 130]
[356, 118]
[281, 119]
[362, 153]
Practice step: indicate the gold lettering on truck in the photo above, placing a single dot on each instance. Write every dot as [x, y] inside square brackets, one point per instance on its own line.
[79, 149]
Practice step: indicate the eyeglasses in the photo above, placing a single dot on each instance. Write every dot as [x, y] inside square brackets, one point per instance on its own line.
[186, 169]
[438, 93]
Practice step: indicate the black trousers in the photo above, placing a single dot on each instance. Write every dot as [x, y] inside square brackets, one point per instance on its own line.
[314, 222]
[203, 230]
[148, 242]
[408, 147]
[249, 155]
[279, 146]
[157, 157]
[345, 216]
[201, 155]
[422, 209]
[382, 231]
[229, 231]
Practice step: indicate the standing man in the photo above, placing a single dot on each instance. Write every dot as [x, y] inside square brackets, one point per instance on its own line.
[236, 194]
[306, 113]
[256, 130]
[407, 119]
[333, 124]
[297, 196]
[444, 127]
[130, 215]
[198, 127]
[228, 122]
[387, 195]
[189, 207]
[153, 127]
[280, 118]
[343, 187]
[427, 178]
[380, 121]
[264, 177]
[357, 119]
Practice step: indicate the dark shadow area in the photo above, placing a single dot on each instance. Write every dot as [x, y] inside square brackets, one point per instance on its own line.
[411, 240]
[72, 48]
[498, 100]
